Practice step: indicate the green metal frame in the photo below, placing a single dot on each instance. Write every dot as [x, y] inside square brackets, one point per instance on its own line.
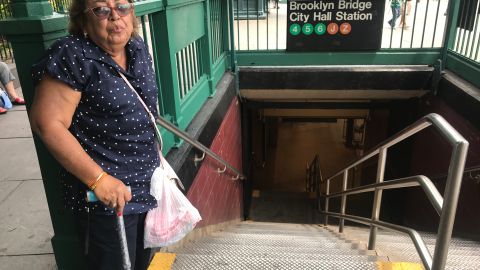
[457, 63]
[382, 57]
[463, 67]
[146, 7]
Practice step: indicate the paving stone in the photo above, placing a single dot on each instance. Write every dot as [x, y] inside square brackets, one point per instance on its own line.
[6, 188]
[19, 159]
[15, 124]
[31, 262]
[25, 226]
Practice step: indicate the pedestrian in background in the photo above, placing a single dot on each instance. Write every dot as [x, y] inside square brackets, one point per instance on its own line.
[395, 6]
[405, 11]
[7, 78]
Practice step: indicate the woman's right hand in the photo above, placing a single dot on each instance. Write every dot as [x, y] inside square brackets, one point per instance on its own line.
[113, 193]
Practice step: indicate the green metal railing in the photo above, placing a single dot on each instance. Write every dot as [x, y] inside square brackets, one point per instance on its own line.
[218, 18]
[191, 61]
[446, 30]
[189, 68]
[467, 41]
[424, 28]
[462, 49]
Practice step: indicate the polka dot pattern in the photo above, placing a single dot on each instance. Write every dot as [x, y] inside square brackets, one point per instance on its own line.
[110, 123]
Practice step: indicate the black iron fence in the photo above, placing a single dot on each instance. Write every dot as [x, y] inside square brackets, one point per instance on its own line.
[5, 48]
[60, 6]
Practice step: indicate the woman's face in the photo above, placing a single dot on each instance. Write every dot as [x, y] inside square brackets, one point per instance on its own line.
[112, 32]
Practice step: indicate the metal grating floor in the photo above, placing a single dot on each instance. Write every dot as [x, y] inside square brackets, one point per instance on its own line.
[242, 263]
[463, 254]
[265, 246]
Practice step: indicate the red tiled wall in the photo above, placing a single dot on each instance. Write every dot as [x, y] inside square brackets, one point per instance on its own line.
[215, 195]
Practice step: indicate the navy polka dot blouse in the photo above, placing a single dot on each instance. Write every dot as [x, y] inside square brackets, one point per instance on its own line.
[110, 123]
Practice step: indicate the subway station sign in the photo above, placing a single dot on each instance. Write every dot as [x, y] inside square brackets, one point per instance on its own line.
[334, 25]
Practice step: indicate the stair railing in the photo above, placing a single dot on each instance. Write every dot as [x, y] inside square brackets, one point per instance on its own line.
[445, 206]
[169, 126]
[310, 182]
[314, 178]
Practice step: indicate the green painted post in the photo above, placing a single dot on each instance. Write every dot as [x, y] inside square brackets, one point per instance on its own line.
[155, 32]
[450, 29]
[31, 30]
[161, 31]
[207, 49]
[225, 26]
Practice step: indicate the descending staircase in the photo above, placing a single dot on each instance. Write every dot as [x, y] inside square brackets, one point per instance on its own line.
[286, 234]
[263, 245]
[463, 254]
[266, 245]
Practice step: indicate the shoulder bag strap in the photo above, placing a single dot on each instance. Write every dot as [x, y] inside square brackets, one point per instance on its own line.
[152, 119]
[159, 136]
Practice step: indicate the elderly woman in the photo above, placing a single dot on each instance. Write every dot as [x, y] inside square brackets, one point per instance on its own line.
[96, 127]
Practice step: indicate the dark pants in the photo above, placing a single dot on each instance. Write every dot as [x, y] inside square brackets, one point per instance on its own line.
[395, 16]
[103, 245]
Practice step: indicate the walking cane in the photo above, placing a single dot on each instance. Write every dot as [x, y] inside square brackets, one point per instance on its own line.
[121, 234]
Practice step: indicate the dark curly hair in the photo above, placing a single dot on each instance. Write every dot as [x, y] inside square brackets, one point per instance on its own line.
[77, 19]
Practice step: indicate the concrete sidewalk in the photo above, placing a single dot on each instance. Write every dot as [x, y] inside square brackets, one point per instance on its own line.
[25, 225]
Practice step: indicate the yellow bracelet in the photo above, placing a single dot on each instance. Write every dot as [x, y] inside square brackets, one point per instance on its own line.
[95, 183]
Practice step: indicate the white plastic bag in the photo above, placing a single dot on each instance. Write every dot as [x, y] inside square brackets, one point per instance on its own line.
[174, 216]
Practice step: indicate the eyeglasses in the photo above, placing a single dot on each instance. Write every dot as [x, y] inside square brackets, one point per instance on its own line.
[103, 12]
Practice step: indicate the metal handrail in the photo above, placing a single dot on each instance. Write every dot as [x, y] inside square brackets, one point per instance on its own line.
[424, 182]
[172, 128]
[445, 207]
[414, 235]
[314, 177]
[311, 184]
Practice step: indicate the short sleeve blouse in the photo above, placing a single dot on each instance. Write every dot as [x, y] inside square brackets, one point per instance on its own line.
[110, 123]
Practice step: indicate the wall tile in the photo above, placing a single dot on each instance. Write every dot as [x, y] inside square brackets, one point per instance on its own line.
[218, 198]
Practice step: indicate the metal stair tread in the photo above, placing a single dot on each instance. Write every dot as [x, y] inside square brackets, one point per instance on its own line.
[267, 253]
[263, 242]
[277, 249]
[427, 238]
[264, 224]
[463, 253]
[306, 231]
[313, 237]
[184, 261]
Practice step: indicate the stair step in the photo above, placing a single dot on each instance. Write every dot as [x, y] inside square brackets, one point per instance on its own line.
[269, 253]
[306, 230]
[463, 253]
[285, 237]
[429, 239]
[273, 224]
[276, 249]
[188, 262]
[275, 242]
[410, 246]
[279, 228]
